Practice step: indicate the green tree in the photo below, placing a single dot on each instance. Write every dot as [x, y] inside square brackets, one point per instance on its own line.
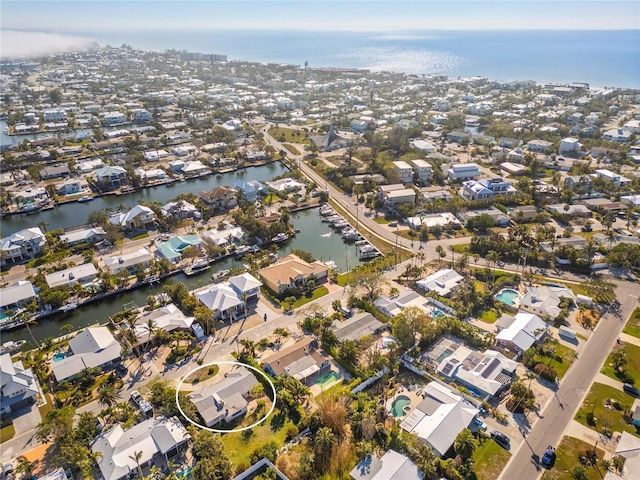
[464, 444]
[107, 394]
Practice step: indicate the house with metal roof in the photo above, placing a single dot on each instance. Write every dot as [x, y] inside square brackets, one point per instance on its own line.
[93, 347]
[132, 261]
[544, 300]
[442, 282]
[246, 284]
[79, 274]
[154, 438]
[225, 400]
[84, 235]
[16, 295]
[519, 333]
[167, 318]
[304, 360]
[222, 300]
[357, 327]
[18, 385]
[390, 466]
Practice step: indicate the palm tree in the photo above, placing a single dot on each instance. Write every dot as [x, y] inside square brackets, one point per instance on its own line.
[152, 328]
[493, 257]
[43, 224]
[248, 347]
[464, 444]
[136, 458]
[27, 320]
[107, 395]
[441, 254]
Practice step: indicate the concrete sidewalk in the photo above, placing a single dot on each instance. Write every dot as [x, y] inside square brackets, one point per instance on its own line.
[579, 431]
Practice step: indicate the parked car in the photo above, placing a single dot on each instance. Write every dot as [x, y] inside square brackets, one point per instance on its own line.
[480, 424]
[136, 397]
[121, 370]
[631, 389]
[500, 438]
[549, 456]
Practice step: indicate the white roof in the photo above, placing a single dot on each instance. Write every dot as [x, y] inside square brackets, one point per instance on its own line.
[70, 275]
[33, 235]
[220, 297]
[21, 290]
[166, 318]
[245, 282]
[525, 330]
[128, 259]
[126, 218]
[391, 466]
[441, 282]
[93, 347]
[82, 234]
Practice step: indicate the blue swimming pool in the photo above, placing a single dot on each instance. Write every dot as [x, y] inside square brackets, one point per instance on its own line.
[508, 296]
[400, 406]
[59, 356]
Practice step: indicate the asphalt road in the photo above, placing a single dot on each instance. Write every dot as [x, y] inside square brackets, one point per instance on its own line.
[554, 418]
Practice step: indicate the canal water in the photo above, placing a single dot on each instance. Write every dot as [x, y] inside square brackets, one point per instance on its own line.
[71, 214]
[314, 236]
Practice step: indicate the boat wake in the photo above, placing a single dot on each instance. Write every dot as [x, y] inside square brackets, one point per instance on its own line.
[326, 235]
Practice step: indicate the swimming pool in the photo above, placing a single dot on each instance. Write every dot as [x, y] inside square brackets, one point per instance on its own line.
[59, 356]
[399, 404]
[327, 378]
[508, 296]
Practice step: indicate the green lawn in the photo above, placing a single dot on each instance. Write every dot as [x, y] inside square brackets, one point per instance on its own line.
[7, 432]
[489, 459]
[381, 220]
[291, 148]
[287, 134]
[567, 456]
[489, 316]
[317, 293]
[610, 418]
[633, 325]
[561, 362]
[464, 248]
[632, 355]
[239, 448]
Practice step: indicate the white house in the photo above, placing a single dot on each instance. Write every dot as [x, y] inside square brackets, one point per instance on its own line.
[222, 300]
[16, 295]
[22, 245]
[250, 189]
[246, 286]
[54, 115]
[521, 331]
[391, 466]
[569, 145]
[138, 218]
[539, 146]
[132, 261]
[140, 115]
[545, 300]
[617, 135]
[114, 118]
[79, 274]
[167, 318]
[84, 235]
[617, 179]
[19, 386]
[111, 176]
[463, 171]
[93, 347]
[422, 145]
[422, 169]
[404, 171]
[155, 155]
[392, 306]
[286, 185]
[440, 417]
[443, 282]
[486, 188]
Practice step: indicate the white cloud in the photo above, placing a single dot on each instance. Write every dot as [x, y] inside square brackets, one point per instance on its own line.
[22, 44]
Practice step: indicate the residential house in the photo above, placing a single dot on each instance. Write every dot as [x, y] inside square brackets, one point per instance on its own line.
[255, 155]
[22, 245]
[286, 185]
[404, 171]
[260, 467]
[114, 118]
[617, 135]
[360, 325]
[223, 301]
[111, 176]
[545, 300]
[138, 218]
[571, 210]
[506, 142]
[78, 275]
[55, 171]
[225, 237]
[459, 137]
[220, 198]
[193, 169]
[167, 318]
[181, 209]
[83, 235]
[615, 178]
[304, 361]
[30, 196]
[71, 186]
[511, 168]
[391, 466]
[54, 115]
[539, 146]
[155, 155]
[501, 220]
[94, 347]
[578, 182]
[120, 452]
[226, 400]
[250, 190]
[443, 282]
[445, 219]
[422, 145]
[441, 105]
[291, 273]
[631, 200]
[392, 306]
[16, 295]
[87, 166]
[172, 249]
[393, 198]
[628, 448]
[463, 171]
[439, 418]
[150, 174]
[131, 262]
[422, 169]
[486, 188]
[140, 115]
[246, 286]
[519, 333]
[523, 213]
[19, 386]
[569, 145]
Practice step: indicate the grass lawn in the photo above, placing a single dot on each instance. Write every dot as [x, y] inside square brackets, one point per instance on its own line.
[632, 354]
[317, 293]
[561, 362]
[568, 455]
[291, 148]
[610, 418]
[239, 446]
[7, 432]
[489, 316]
[381, 220]
[465, 248]
[489, 459]
[203, 374]
[633, 325]
[141, 236]
[46, 408]
[287, 134]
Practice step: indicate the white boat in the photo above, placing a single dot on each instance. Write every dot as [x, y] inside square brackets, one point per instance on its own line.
[68, 307]
[11, 346]
[243, 250]
[219, 275]
[331, 265]
[86, 198]
[198, 266]
[281, 237]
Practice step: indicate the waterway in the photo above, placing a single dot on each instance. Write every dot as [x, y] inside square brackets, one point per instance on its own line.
[313, 237]
[71, 214]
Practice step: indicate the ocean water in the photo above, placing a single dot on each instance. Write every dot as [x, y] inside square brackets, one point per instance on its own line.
[601, 58]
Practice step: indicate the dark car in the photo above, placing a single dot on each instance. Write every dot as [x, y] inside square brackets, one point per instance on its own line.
[549, 456]
[121, 370]
[631, 389]
[500, 438]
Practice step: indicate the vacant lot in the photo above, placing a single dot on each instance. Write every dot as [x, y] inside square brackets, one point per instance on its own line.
[489, 459]
[599, 401]
[631, 355]
[633, 325]
[568, 455]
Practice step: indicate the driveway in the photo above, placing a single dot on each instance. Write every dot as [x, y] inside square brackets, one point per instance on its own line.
[25, 422]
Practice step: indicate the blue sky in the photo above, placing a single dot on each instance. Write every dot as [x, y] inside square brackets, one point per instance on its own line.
[83, 17]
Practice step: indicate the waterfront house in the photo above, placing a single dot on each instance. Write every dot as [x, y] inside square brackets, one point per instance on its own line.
[80, 274]
[246, 286]
[30, 196]
[250, 190]
[443, 282]
[439, 418]
[172, 249]
[391, 466]
[94, 347]
[71, 186]
[111, 176]
[304, 361]
[519, 333]
[19, 386]
[226, 237]
[463, 171]
[138, 218]
[55, 171]
[226, 400]
[22, 245]
[155, 438]
[220, 198]
[16, 295]
[223, 301]
[132, 261]
[150, 174]
[361, 325]
[181, 209]
[84, 235]
[292, 273]
[194, 168]
[286, 185]
[54, 115]
[167, 318]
